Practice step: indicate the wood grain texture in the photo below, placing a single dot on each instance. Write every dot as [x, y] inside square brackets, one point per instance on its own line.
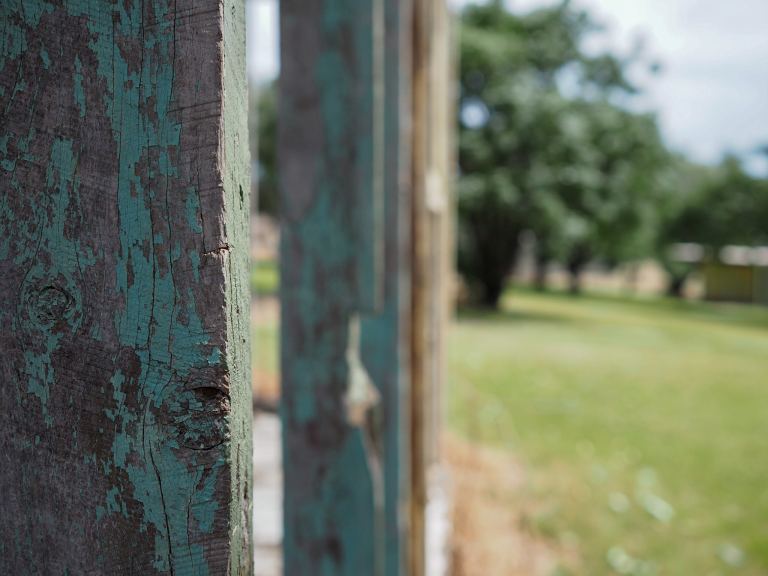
[345, 476]
[124, 378]
[432, 252]
[440, 207]
[420, 291]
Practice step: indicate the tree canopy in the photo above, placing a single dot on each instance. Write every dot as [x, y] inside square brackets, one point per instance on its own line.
[544, 147]
[577, 170]
[262, 128]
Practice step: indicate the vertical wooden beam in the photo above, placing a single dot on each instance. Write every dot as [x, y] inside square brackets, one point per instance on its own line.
[420, 288]
[125, 386]
[329, 147]
[344, 284]
[439, 176]
[431, 252]
[385, 344]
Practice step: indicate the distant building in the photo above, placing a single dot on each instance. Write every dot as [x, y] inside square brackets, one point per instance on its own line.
[737, 274]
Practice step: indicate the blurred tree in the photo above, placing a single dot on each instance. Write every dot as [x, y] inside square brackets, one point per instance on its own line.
[712, 207]
[613, 188]
[578, 171]
[733, 207]
[682, 219]
[262, 128]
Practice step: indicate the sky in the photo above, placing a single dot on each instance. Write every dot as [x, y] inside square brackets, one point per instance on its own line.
[711, 96]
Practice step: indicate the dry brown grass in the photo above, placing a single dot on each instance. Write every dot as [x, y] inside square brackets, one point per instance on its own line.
[265, 386]
[490, 535]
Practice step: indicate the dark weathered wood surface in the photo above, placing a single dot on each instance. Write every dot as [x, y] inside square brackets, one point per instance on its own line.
[124, 377]
[344, 268]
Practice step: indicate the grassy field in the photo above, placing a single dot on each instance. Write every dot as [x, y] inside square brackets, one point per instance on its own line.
[643, 426]
[265, 277]
[265, 340]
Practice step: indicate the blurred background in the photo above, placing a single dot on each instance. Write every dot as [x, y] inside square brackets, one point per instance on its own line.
[606, 403]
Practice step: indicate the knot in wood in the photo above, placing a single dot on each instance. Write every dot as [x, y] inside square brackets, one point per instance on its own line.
[195, 415]
[50, 305]
[50, 300]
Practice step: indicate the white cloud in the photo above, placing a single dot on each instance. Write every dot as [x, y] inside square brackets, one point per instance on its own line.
[712, 96]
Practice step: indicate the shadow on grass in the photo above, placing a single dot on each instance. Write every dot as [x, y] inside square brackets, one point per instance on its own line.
[511, 316]
[751, 315]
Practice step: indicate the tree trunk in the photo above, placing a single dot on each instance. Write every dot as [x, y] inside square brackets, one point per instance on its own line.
[541, 273]
[493, 290]
[495, 262]
[580, 256]
[675, 287]
[575, 282]
[575, 267]
[126, 430]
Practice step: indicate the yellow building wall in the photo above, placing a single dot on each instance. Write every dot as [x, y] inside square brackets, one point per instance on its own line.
[729, 283]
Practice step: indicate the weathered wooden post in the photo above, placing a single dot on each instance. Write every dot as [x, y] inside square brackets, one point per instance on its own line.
[432, 252]
[124, 380]
[344, 275]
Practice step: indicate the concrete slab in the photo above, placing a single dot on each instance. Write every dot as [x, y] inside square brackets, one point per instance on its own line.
[267, 495]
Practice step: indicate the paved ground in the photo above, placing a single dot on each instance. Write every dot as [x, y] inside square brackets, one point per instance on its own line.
[267, 495]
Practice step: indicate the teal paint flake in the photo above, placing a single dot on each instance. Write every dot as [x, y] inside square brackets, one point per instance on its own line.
[195, 258]
[193, 209]
[117, 381]
[79, 92]
[4, 143]
[215, 358]
[113, 506]
[44, 56]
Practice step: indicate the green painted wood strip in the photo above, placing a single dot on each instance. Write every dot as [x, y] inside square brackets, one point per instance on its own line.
[123, 247]
[385, 340]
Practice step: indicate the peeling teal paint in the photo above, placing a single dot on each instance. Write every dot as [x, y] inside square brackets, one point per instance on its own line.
[63, 188]
[214, 358]
[79, 93]
[193, 208]
[345, 503]
[170, 486]
[14, 35]
[44, 56]
[195, 258]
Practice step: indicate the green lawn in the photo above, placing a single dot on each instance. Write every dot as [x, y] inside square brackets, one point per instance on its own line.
[644, 426]
[265, 348]
[265, 277]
